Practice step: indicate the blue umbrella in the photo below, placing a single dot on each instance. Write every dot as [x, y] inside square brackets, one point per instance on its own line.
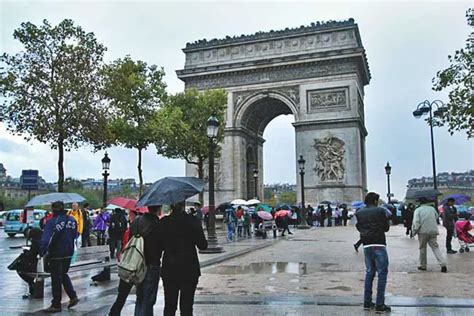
[357, 204]
[458, 199]
[47, 199]
[171, 190]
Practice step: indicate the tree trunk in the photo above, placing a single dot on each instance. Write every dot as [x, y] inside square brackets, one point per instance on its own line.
[60, 166]
[200, 165]
[140, 176]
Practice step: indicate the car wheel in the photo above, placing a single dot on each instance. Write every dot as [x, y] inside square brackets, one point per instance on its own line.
[11, 235]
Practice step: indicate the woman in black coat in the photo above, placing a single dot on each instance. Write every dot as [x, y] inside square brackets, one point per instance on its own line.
[180, 270]
[30, 261]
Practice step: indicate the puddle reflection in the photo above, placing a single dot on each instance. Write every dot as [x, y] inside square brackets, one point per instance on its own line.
[262, 268]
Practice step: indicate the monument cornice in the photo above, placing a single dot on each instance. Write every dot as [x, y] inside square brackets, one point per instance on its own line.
[356, 53]
[313, 27]
[332, 123]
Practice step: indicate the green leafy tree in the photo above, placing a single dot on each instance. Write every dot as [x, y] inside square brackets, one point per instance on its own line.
[72, 185]
[287, 197]
[135, 91]
[181, 126]
[50, 87]
[458, 78]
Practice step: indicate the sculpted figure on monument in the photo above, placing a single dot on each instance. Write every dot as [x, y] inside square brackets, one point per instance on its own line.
[329, 159]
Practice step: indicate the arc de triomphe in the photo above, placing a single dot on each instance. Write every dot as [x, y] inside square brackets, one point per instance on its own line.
[318, 74]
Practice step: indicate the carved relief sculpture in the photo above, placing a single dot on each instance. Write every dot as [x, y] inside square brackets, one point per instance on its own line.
[326, 99]
[329, 158]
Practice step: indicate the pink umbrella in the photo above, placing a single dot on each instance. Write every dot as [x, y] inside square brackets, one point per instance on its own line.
[205, 210]
[282, 213]
[264, 215]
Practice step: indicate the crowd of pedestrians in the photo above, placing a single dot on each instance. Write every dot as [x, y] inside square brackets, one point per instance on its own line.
[169, 246]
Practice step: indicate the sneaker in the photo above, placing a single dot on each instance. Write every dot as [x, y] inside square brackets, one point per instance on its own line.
[444, 269]
[73, 302]
[369, 306]
[290, 233]
[52, 309]
[451, 251]
[422, 268]
[382, 309]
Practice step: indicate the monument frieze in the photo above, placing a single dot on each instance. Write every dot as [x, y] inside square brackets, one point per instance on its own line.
[273, 74]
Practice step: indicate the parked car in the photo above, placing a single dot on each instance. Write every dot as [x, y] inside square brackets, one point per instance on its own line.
[15, 224]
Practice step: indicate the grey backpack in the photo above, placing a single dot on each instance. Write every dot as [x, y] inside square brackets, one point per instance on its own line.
[132, 268]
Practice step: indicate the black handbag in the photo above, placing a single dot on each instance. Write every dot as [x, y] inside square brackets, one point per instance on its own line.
[17, 263]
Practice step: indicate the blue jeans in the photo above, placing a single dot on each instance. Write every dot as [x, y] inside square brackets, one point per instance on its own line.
[147, 291]
[376, 260]
[230, 231]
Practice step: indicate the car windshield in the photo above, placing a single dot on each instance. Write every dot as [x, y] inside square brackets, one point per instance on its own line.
[13, 216]
[37, 216]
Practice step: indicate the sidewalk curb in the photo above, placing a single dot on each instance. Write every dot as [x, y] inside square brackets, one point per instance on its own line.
[349, 301]
[225, 257]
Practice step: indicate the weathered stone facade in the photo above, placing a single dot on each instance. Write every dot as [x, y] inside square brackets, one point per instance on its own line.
[318, 74]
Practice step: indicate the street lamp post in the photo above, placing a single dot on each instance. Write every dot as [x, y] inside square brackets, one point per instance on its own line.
[303, 223]
[423, 108]
[388, 170]
[255, 180]
[212, 244]
[105, 167]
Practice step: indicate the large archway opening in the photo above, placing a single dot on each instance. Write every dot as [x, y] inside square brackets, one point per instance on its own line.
[279, 152]
[266, 119]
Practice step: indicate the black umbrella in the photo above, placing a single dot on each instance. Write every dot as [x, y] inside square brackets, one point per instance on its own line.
[171, 190]
[429, 194]
[223, 206]
[326, 202]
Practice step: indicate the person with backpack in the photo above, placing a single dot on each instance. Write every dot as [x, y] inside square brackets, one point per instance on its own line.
[141, 260]
[57, 242]
[181, 234]
[117, 227]
[124, 287]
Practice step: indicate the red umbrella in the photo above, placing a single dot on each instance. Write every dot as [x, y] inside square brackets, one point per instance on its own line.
[129, 204]
[282, 213]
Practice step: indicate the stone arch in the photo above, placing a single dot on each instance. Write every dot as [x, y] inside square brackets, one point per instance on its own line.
[316, 73]
[256, 111]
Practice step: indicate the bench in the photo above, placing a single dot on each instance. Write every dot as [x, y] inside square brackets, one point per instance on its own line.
[88, 258]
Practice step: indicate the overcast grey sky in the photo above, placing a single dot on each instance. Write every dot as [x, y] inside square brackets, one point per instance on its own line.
[407, 42]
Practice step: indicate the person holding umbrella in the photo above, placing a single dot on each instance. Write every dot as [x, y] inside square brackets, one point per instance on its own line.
[180, 271]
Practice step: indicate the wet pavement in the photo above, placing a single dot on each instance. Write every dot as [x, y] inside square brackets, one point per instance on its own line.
[313, 272]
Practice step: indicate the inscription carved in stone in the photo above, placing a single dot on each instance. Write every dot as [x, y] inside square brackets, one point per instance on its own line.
[329, 158]
[326, 99]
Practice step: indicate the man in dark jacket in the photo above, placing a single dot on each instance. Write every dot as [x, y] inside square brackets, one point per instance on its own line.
[117, 227]
[450, 216]
[57, 242]
[181, 233]
[372, 223]
[86, 232]
[345, 214]
[148, 226]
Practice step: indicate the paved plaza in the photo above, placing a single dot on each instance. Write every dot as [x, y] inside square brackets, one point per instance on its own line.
[313, 272]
